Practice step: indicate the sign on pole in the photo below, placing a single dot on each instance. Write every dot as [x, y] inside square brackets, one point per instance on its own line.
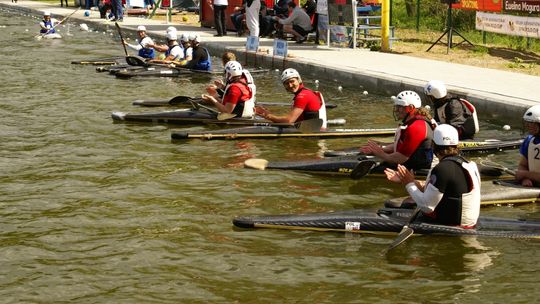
[280, 50]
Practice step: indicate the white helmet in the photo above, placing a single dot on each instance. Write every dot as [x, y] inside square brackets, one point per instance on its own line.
[532, 114]
[233, 68]
[46, 13]
[407, 98]
[172, 36]
[435, 88]
[184, 37]
[445, 135]
[171, 29]
[194, 37]
[141, 28]
[290, 73]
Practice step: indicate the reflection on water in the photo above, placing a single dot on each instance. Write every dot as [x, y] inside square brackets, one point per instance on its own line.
[94, 211]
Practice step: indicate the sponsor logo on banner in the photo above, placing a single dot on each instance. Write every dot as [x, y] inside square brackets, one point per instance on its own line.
[531, 7]
[508, 24]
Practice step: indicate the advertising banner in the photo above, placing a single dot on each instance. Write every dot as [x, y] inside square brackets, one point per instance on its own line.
[508, 24]
[479, 5]
[528, 7]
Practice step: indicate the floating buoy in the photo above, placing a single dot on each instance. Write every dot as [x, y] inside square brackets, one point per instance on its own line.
[316, 81]
[365, 93]
[340, 88]
[84, 27]
[506, 127]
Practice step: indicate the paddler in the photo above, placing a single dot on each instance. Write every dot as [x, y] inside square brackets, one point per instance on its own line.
[451, 110]
[144, 47]
[528, 172]
[451, 193]
[174, 53]
[201, 59]
[217, 88]
[238, 97]
[412, 143]
[307, 104]
[48, 23]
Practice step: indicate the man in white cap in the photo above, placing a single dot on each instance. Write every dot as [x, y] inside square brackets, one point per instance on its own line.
[48, 23]
[145, 46]
[451, 193]
[201, 57]
[174, 53]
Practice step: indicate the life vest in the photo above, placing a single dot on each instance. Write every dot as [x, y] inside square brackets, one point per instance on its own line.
[470, 125]
[146, 52]
[50, 30]
[423, 155]
[464, 209]
[533, 155]
[321, 113]
[245, 107]
[204, 65]
[169, 50]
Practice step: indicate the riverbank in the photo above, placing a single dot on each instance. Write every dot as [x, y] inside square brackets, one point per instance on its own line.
[501, 93]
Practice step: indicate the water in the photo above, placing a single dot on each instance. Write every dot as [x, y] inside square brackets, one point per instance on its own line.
[98, 212]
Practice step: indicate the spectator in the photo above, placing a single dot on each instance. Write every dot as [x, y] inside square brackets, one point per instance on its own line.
[298, 23]
[219, 16]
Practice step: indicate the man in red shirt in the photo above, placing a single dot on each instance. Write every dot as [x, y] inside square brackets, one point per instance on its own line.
[412, 144]
[238, 96]
[307, 104]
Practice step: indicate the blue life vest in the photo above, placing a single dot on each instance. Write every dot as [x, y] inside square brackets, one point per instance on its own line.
[204, 65]
[48, 31]
[147, 52]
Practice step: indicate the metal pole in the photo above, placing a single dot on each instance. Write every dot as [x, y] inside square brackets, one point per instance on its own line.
[417, 16]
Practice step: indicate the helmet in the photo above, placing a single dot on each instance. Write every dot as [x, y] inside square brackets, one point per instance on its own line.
[46, 13]
[194, 37]
[141, 28]
[184, 37]
[445, 135]
[233, 68]
[290, 73]
[171, 29]
[407, 98]
[532, 114]
[172, 36]
[435, 88]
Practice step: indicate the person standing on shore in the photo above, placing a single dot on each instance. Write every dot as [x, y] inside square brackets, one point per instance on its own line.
[252, 16]
[219, 7]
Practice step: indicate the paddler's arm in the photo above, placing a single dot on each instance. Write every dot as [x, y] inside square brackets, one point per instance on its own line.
[525, 176]
[289, 118]
[228, 108]
[385, 153]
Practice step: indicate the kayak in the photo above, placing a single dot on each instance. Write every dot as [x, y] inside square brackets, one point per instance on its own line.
[480, 146]
[193, 116]
[184, 100]
[389, 221]
[162, 70]
[100, 61]
[113, 69]
[345, 166]
[493, 193]
[269, 132]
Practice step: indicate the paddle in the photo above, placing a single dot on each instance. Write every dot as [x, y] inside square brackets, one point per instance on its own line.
[220, 115]
[41, 35]
[404, 234]
[494, 165]
[363, 168]
[121, 37]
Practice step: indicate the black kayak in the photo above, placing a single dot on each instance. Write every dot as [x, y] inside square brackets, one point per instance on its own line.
[101, 61]
[479, 146]
[494, 193]
[157, 71]
[349, 166]
[185, 100]
[193, 116]
[271, 132]
[388, 221]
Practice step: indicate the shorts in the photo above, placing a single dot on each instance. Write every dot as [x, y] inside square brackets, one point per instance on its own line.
[300, 30]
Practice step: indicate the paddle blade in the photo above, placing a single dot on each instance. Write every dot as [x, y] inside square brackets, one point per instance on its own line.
[256, 163]
[135, 60]
[225, 116]
[405, 233]
[363, 168]
[310, 125]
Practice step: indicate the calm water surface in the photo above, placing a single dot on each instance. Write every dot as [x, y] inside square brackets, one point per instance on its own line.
[97, 212]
